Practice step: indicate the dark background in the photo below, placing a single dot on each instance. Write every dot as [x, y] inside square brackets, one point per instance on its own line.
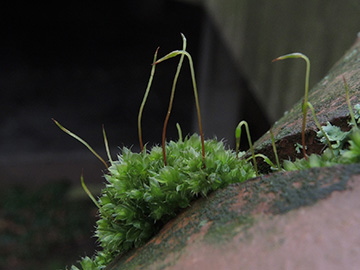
[84, 64]
[87, 64]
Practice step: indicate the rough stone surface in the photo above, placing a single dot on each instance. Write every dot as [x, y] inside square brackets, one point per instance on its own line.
[297, 220]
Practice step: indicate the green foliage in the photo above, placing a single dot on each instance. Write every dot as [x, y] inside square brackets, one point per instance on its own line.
[357, 113]
[336, 136]
[144, 101]
[142, 194]
[86, 263]
[278, 166]
[345, 145]
[352, 155]
[238, 137]
[324, 160]
[197, 104]
[321, 130]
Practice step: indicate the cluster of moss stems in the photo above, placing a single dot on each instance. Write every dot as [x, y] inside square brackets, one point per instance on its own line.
[128, 206]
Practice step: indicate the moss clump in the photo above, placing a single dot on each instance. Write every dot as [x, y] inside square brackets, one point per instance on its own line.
[142, 194]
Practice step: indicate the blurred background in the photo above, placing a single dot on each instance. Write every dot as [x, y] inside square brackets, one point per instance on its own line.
[87, 64]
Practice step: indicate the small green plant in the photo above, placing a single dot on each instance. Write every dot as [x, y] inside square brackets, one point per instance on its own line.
[273, 167]
[81, 141]
[275, 150]
[144, 190]
[305, 103]
[185, 53]
[238, 138]
[321, 130]
[352, 155]
[343, 146]
[144, 101]
[334, 136]
[172, 96]
[142, 194]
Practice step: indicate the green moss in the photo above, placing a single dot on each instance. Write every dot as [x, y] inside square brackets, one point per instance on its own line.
[141, 195]
[221, 232]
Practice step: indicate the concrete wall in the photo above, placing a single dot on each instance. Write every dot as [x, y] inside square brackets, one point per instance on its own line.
[257, 31]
